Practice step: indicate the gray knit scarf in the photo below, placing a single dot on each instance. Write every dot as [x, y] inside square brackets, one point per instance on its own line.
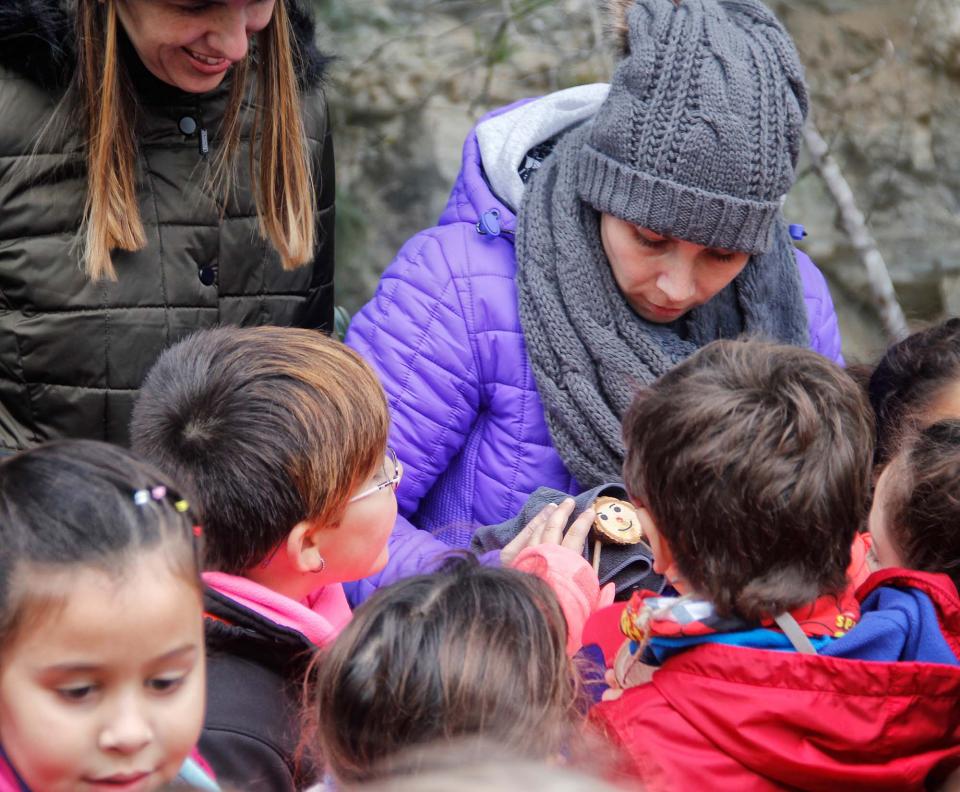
[589, 349]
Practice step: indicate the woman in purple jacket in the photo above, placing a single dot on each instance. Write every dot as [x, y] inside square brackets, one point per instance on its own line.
[594, 238]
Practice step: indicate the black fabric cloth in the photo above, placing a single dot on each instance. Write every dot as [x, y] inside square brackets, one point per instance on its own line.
[73, 352]
[629, 567]
[255, 672]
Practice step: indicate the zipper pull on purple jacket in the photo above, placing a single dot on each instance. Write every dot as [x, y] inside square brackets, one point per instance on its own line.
[489, 223]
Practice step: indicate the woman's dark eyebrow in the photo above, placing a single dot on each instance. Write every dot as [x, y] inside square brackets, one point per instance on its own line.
[173, 653]
[646, 231]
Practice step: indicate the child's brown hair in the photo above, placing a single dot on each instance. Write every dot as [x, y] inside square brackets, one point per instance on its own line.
[754, 461]
[470, 651]
[269, 425]
[922, 500]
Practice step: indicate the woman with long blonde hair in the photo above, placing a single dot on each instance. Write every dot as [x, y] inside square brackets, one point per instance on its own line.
[165, 166]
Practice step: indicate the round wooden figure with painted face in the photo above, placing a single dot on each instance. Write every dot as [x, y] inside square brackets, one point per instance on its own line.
[617, 522]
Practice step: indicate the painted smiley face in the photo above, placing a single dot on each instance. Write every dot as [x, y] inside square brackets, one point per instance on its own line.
[617, 522]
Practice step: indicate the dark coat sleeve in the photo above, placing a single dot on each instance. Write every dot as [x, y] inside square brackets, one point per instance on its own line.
[317, 310]
[245, 761]
[251, 732]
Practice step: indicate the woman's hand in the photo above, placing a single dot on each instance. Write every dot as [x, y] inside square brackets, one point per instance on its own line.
[548, 528]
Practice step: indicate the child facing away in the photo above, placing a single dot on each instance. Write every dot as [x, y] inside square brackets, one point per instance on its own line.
[750, 464]
[283, 435]
[466, 652]
[911, 609]
[101, 626]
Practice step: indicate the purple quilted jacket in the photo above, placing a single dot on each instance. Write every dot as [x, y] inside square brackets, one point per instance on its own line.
[444, 334]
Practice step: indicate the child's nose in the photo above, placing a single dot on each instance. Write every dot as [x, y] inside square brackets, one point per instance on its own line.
[128, 731]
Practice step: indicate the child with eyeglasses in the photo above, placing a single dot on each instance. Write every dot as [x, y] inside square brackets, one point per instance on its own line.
[282, 435]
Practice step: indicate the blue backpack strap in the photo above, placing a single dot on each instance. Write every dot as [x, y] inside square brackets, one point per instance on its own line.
[192, 773]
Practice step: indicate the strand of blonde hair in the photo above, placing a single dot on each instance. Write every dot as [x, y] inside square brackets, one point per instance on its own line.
[111, 217]
[286, 199]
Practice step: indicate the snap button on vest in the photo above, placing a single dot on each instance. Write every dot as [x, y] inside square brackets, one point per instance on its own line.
[187, 125]
[208, 276]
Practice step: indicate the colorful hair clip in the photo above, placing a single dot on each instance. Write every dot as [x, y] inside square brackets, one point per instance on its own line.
[198, 531]
[142, 497]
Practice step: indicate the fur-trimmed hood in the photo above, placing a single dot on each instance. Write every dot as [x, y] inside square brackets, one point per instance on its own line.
[37, 41]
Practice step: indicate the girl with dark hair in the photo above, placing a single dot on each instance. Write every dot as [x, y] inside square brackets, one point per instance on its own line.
[101, 624]
[915, 514]
[165, 166]
[916, 382]
[470, 651]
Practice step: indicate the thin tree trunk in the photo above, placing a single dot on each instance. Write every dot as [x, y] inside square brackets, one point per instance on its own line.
[878, 277]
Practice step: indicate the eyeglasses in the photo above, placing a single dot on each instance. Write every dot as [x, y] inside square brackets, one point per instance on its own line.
[390, 462]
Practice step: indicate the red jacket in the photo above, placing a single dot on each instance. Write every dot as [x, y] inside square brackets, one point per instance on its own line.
[727, 717]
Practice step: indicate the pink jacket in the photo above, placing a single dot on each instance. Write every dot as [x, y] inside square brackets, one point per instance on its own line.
[320, 617]
[572, 580]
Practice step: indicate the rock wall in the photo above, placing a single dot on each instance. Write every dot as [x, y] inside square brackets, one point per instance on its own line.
[412, 77]
[885, 75]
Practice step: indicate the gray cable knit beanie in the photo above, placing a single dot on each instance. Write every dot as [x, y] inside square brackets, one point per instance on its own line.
[699, 136]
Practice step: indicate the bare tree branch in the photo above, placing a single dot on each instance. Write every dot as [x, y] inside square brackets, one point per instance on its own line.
[878, 277]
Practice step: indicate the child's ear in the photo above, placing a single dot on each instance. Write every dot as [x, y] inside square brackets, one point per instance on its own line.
[662, 554]
[303, 549]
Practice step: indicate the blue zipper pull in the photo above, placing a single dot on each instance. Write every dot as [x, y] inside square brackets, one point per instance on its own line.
[797, 232]
[489, 224]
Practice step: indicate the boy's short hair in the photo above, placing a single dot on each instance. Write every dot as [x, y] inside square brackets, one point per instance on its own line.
[754, 461]
[268, 426]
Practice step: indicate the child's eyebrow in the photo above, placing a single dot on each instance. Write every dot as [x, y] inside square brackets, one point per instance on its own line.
[175, 653]
[88, 667]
